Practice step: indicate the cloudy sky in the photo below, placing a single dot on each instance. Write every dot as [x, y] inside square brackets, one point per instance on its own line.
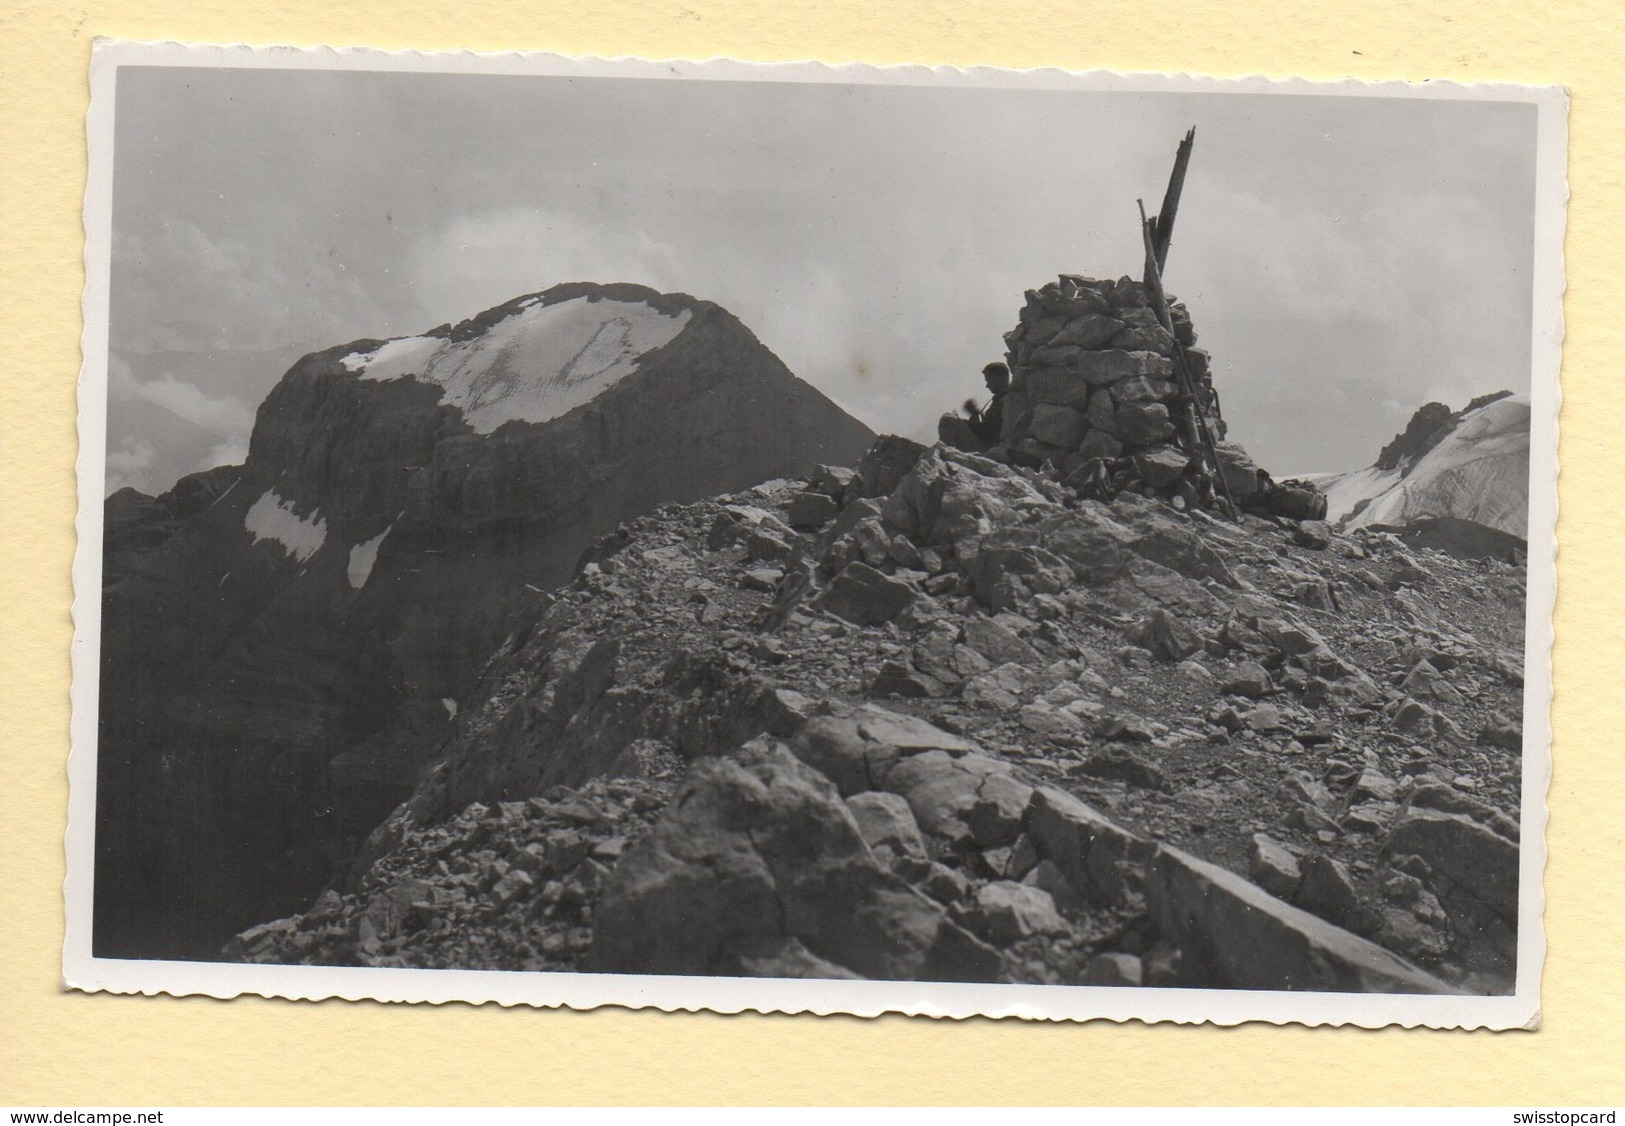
[1344, 259]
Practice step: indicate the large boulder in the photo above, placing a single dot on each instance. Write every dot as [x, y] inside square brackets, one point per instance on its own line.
[1274, 868]
[1003, 569]
[1144, 389]
[1165, 636]
[1240, 472]
[998, 642]
[857, 751]
[1006, 912]
[1095, 546]
[1093, 853]
[963, 799]
[883, 466]
[810, 510]
[1140, 424]
[756, 854]
[1088, 332]
[1474, 858]
[1145, 338]
[975, 503]
[947, 494]
[867, 597]
[1181, 549]
[1233, 934]
[912, 507]
[1162, 466]
[1114, 364]
[1059, 387]
[887, 825]
[1327, 890]
[1058, 425]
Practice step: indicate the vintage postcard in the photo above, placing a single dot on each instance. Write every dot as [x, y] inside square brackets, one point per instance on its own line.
[814, 539]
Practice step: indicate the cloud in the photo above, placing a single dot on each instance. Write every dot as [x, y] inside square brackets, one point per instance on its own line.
[223, 415]
[1317, 313]
[127, 462]
[232, 451]
[482, 259]
[179, 288]
[838, 309]
[175, 285]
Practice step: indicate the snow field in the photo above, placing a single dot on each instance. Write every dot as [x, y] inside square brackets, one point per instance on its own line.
[537, 364]
[1479, 472]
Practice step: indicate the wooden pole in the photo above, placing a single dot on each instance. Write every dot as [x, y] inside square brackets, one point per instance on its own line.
[1199, 437]
[1162, 223]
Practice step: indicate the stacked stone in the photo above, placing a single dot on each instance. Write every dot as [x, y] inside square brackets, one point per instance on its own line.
[1093, 374]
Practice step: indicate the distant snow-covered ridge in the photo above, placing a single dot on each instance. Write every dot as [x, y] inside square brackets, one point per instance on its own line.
[1475, 466]
[534, 365]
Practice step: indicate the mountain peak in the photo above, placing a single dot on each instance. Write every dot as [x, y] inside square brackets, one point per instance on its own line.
[403, 502]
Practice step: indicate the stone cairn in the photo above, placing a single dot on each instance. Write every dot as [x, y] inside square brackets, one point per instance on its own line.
[1092, 376]
[1109, 389]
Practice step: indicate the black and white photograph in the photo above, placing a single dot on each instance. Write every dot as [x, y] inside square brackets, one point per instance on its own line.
[807, 538]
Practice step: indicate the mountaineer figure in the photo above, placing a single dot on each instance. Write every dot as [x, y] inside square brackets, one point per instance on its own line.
[984, 425]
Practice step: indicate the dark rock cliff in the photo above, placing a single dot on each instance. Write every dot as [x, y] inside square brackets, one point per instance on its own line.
[284, 643]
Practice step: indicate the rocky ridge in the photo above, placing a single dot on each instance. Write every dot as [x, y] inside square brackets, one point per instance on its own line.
[941, 717]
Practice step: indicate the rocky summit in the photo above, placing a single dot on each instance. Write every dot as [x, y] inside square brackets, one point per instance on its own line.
[941, 717]
[286, 642]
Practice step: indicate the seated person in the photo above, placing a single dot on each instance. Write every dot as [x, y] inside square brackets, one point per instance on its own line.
[984, 425]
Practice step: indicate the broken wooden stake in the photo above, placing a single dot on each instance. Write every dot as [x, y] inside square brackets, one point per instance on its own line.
[1162, 223]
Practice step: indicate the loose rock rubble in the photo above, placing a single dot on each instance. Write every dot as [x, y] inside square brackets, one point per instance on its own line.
[505, 886]
[942, 717]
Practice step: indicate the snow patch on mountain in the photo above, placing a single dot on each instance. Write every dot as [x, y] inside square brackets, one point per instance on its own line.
[406, 355]
[362, 557]
[540, 362]
[272, 518]
[1478, 471]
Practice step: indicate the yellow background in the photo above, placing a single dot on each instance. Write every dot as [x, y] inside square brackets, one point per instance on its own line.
[58, 1048]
